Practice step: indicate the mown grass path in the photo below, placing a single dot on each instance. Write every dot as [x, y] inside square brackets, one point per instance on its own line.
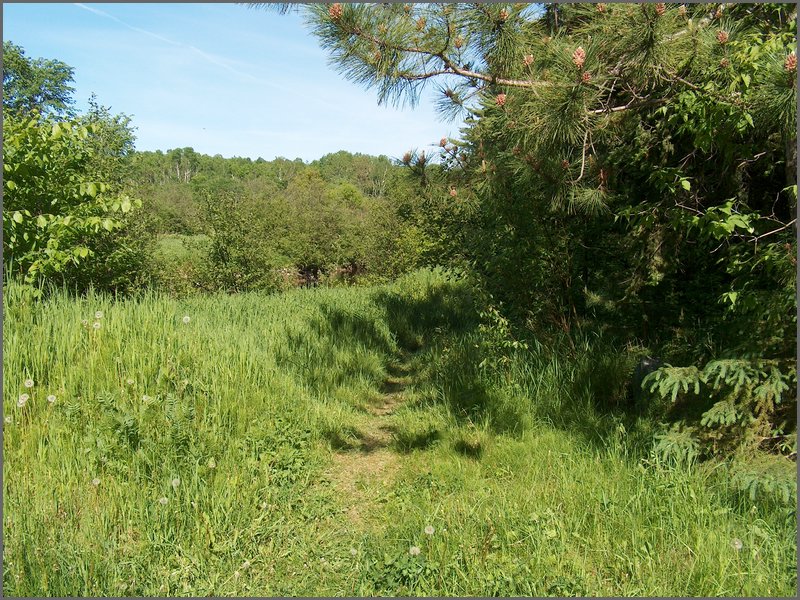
[370, 464]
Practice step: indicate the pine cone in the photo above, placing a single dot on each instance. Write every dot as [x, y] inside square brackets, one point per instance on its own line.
[335, 11]
[586, 77]
[443, 142]
[500, 99]
[407, 158]
[503, 15]
[565, 164]
[459, 41]
[421, 23]
[661, 8]
[718, 14]
[722, 37]
[407, 8]
[376, 56]
[790, 64]
[453, 192]
[724, 63]
[579, 57]
[528, 60]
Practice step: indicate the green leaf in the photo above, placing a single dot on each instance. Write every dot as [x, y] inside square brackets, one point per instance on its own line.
[91, 189]
[17, 216]
[41, 221]
[126, 205]
[11, 185]
[686, 185]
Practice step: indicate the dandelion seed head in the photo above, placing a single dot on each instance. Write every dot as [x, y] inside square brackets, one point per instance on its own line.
[237, 574]
[163, 501]
[175, 483]
[414, 551]
[245, 565]
[95, 482]
[28, 383]
[98, 314]
[429, 530]
[146, 398]
[96, 325]
[186, 319]
[51, 399]
[8, 419]
[129, 381]
[736, 543]
[84, 322]
[23, 398]
[353, 551]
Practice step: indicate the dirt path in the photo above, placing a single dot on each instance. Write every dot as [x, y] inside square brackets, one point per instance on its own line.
[364, 472]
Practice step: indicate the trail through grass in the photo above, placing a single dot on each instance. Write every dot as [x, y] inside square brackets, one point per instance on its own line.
[342, 442]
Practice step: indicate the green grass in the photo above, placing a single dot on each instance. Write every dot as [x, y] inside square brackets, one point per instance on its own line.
[532, 488]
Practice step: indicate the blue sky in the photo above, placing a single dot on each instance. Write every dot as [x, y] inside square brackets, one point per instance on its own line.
[221, 78]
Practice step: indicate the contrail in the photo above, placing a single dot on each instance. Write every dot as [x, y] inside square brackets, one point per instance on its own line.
[208, 57]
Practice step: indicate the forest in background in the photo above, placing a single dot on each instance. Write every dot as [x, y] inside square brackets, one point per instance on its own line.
[621, 199]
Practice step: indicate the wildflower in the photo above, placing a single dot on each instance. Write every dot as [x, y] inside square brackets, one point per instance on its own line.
[500, 99]
[23, 398]
[528, 60]
[790, 64]
[98, 314]
[96, 325]
[95, 482]
[722, 37]
[175, 483]
[28, 383]
[661, 7]
[163, 501]
[736, 543]
[429, 530]
[353, 551]
[414, 551]
[335, 11]
[579, 57]
[51, 399]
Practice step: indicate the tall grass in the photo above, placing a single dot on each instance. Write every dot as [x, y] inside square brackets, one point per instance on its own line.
[193, 458]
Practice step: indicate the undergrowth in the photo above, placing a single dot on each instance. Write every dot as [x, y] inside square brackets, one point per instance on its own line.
[156, 446]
